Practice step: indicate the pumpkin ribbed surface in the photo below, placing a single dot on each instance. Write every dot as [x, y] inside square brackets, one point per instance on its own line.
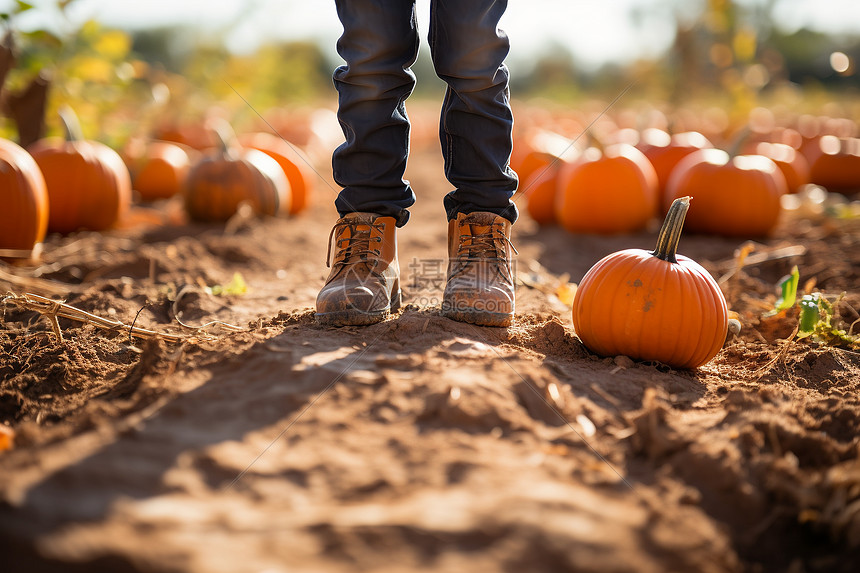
[652, 305]
[610, 192]
[295, 164]
[89, 186]
[540, 189]
[24, 217]
[735, 196]
[218, 184]
[231, 175]
[163, 171]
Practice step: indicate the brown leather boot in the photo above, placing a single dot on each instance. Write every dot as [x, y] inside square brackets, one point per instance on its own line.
[480, 285]
[363, 286]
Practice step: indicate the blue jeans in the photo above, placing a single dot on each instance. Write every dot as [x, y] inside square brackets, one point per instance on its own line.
[379, 45]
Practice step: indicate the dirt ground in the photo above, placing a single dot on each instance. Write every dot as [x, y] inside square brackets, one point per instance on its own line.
[419, 443]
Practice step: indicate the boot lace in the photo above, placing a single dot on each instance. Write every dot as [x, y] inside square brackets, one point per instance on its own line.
[484, 247]
[356, 248]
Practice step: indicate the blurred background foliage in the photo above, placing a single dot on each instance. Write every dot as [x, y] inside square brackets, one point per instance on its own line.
[125, 83]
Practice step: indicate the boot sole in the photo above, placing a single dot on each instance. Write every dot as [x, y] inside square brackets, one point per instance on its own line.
[480, 318]
[357, 317]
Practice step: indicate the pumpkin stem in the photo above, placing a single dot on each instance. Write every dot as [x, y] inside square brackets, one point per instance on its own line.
[71, 124]
[591, 140]
[739, 141]
[225, 136]
[670, 232]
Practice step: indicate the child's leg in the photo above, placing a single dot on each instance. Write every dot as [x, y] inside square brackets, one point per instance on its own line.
[475, 130]
[379, 44]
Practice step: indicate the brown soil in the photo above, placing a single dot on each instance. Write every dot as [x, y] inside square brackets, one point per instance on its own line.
[419, 443]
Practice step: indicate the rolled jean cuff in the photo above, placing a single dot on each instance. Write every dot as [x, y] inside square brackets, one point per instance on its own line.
[382, 207]
[453, 206]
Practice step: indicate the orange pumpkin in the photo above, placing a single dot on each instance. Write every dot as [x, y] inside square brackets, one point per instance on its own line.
[192, 134]
[24, 216]
[529, 163]
[541, 189]
[794, 166]
[614, 191]
[652, 305]
[836, 164]
[7, 437]
[735, 196]
[89, 186]
[540, 192]
[162, 171]
[665, 151]
[293, 161]
[535, 152]
[229, 176]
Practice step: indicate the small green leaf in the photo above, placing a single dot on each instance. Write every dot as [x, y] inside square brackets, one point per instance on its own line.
[788, 286]
[810, 314]
[237, 286]
[23, 6]
[788, 289]
[816, 321]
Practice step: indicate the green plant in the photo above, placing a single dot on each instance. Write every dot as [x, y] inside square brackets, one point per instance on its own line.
[816, 315]
[816, 322]
[788, 290]
[236, 287]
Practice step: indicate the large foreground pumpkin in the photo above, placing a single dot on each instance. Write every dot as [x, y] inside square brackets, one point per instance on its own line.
[652, 305]
[24, 215]
[88, 183]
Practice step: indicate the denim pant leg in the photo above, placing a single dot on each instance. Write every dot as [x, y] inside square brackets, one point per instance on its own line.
[475, 130]
[379, 45]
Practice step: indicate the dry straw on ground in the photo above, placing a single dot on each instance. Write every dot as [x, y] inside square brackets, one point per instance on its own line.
[54, 309]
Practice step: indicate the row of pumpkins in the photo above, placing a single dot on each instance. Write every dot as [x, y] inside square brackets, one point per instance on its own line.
[64, 185]
[621, 186]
